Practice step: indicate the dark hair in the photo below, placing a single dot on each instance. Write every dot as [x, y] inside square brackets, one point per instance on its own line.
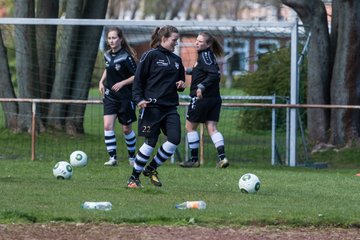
[215, 46]
[160, 32]
[124, 44]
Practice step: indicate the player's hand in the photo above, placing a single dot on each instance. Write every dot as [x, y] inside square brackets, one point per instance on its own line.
[101, 88]
[117, 86]
[199, 93]
[143, 104]
[180, 85]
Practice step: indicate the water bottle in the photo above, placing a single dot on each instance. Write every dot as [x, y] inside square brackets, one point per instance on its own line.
[106, 206]
[191, 204]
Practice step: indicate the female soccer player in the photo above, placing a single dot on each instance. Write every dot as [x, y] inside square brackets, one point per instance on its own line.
[158, 78]
[205, 102]
[116, 87]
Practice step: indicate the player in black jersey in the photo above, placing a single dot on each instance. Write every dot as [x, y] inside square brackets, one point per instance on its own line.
[205, 102]
[158, 78]
[116, 87]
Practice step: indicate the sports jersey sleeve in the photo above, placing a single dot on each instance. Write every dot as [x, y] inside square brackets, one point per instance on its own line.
[130, 65]
[141, 74]
[209, 66]
[181, 75]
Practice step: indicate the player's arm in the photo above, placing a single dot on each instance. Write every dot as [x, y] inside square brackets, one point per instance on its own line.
[139, 84]
[180, 85]
[101, 82]
[210, 67]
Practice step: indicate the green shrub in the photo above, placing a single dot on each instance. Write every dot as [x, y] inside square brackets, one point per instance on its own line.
[272, 77]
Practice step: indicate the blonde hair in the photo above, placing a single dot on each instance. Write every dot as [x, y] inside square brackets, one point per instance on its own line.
[215, 45]
[124, 44]
[160, 32]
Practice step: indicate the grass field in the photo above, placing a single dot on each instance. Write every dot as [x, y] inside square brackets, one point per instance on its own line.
[288, 196]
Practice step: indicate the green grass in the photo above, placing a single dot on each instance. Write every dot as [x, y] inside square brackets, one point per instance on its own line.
[288, 196]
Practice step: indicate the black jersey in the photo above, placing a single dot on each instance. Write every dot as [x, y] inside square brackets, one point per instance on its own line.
[206, 75]
[119, 66]
[156, 75]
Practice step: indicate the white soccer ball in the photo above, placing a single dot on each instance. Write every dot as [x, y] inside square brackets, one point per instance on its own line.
[63, 170]
[249, 183]
[78, 159]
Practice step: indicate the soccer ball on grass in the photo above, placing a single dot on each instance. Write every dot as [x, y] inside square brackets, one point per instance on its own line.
[249, 183]
[63, 170]
[78, 159]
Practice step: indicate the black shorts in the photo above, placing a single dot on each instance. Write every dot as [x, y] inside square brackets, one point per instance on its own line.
[152, 120]
[206, 109]
[124, 109]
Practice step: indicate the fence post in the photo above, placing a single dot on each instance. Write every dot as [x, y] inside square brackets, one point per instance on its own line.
[273, 130]
[201, 144]
[33, 130]
[294, 95]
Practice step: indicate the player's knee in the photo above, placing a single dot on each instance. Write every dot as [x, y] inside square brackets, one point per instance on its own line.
[108, 127]
[127, 129]
[174, 140]
[151, 141]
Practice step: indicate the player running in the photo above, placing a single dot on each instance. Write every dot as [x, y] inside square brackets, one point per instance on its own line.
[158, 78]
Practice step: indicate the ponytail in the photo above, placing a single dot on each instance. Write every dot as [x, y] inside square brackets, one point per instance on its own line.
[161, 32]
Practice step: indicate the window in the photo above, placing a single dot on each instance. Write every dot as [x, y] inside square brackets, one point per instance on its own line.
[263, 46]
[266, 45]
[236, 56]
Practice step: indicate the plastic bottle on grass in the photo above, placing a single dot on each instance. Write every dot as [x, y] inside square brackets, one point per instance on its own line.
[106, 206]
[191, 204]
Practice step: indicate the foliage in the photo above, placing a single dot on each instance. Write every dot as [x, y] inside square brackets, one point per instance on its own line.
[271, 78]
[9, 7]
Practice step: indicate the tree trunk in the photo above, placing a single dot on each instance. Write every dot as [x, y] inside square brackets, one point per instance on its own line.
[345, 85]
[85, 65]
[135, 7]
[176, 8]
[65, 65]
[10, 109]
[113, 9]
[46, 42]
[189, 10]
[314, 17]
[26, 62]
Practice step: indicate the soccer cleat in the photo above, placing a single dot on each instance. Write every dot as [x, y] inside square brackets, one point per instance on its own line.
[153, 175]
[190, 164]
[112, 162]
[134, 183]
[132, 161]
[224, 163]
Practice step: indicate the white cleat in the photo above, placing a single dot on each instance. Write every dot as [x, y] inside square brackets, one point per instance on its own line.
[112, 162]
[223, 163]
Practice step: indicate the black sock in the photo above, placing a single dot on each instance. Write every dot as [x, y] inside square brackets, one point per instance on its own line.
[194, 155]
[221, 152]
[132, 154]
[136, 173]
[113, 154]
[152, 166]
